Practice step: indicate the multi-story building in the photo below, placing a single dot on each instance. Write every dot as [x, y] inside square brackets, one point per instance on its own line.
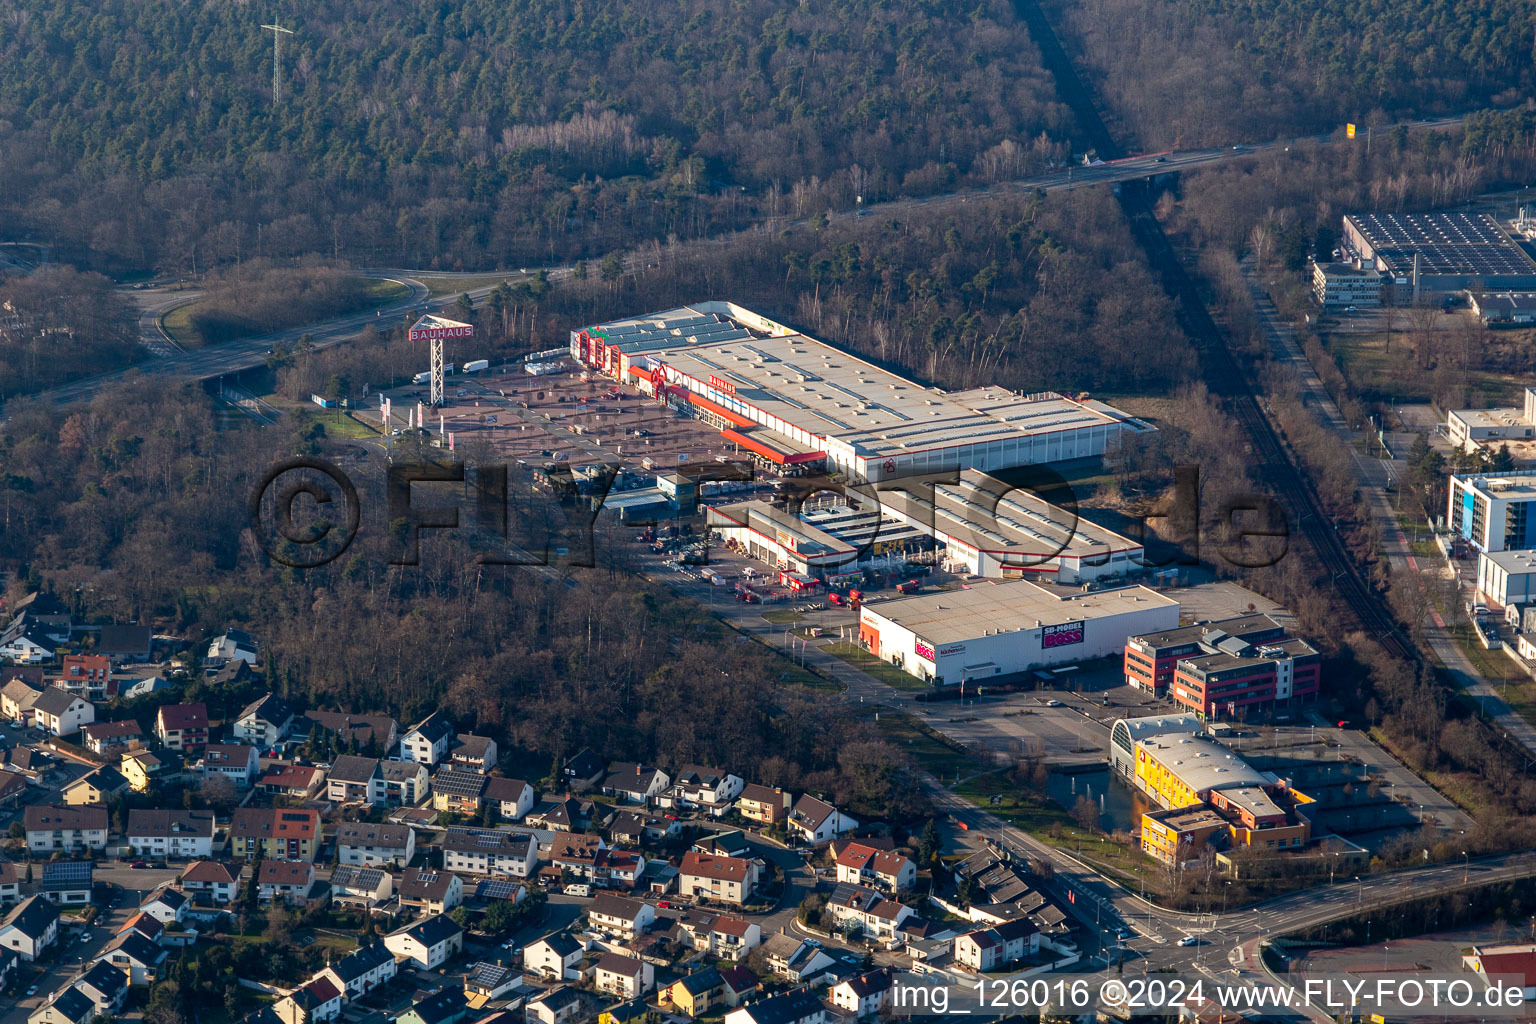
[482, 851]
[429, 740]
[277, 832]
[284, 881]
[766, 804]
[52, 829]
[180, 835]
[728, 879]
[88, 676]
[371, 845]
[428, 943]
[1227, 668]
[183, 727]
[1338, 285]
[59, 713]
[212, 882]
[355, 780]
[362, 970]
[1493, 511]
[885, 869]
[1150, 658]
[233, 761]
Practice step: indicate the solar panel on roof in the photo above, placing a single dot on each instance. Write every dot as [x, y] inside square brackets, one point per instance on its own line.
[496, 889]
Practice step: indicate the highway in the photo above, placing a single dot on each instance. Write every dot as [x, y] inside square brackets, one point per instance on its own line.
[210, 361]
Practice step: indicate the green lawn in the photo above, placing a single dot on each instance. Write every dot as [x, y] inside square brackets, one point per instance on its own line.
[178, 322]
[884, 671]
[932, 752]
[782, 616]
[439, 286]
[383, 291]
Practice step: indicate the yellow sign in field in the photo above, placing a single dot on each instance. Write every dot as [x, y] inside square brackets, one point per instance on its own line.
[1349, 130]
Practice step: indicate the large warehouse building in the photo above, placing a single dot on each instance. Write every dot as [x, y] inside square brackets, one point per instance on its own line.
[998, 632]
[1429, 254]
[798, 403]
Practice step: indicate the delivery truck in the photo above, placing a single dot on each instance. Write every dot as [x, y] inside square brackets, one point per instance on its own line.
[476, 365]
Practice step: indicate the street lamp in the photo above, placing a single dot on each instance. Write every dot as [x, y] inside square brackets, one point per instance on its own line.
[1466, 867]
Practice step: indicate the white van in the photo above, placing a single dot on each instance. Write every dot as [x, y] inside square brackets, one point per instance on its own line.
[578, 890]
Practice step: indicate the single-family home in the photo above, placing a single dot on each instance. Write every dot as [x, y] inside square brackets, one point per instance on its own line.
[13, 787]
[234, 645]
[797, 1006]
[427, 943]
[95, 787]
[728, 879]
[182, 727]
[987, 949]
[477, 753]
[795, 959]
[16, 699]
[457, 790]
[264, 722]
[68, 882]
[730, 843]
[88, 676]
[857, 907]
[213, 883]
[233, 761]
[627, 977]
[445, 1006]
[355, 780]
[556, 957]
[428, 741]
[431, 891]
[697, 993]
[619, 916]
[481, 851]
[557, 1006]
[280, 833]
[294, 781]
[26, 643]
[134, 955]
[362, 970]
[816, 821]
[360, 887]
[105, 986]
[146, 769]
[512, 798]
[110, 737]
[53, 828]
[60, 713]
[635, 783]
[125, 642]
[315, 1002]
[284, 881]
[883, 869]
[30, 927]
[371, 845]
[68, 1005]
[766, 804]
[633, 828]
[567, 814]
[144, 924]
[405, 782]
[584, 770]
[740, 984]
[864, 995]
[10, 884]
[166, 905]
[371, 734]
[706, 788]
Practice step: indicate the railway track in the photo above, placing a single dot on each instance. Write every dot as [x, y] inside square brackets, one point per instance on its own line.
[1224, 377]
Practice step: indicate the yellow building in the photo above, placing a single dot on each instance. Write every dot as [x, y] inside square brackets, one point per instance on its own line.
[1178, 771]
[699, 993]
[633, 1012]
[95, 788]
[1180, 833]
[143, 769]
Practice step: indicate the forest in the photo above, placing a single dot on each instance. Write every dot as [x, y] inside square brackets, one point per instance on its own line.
[1218, 72]
[142, 135]
[59, 324]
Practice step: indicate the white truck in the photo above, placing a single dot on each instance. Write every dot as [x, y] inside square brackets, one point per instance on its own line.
[423, 377]
[476, 365]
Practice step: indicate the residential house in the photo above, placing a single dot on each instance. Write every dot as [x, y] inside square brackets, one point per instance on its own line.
[371, 734]
[474, 752]
[88, 676]
[66, 1006]
[884, 869]
[798, 1006]
[855, 907]
[557, 1006]
[212, 882]
[405, 782]
[234, 645]
[13, 787]
[233, 761]
[110, 737]
[428, 741]
[145, 925]
[728, 879]
[231, 673]
[590, 859]
[619, 916]
[633, 828]
[698, 993]
[29, 762]
[635, 783]
[277, 832]
[132, 689]
[987, 949]
[355, 780]
[445, 1006]
[722, 936]
[816, 821]
[52, 828]
[16, 699]
[795, 959]
[147, 769]
[567, 814]
[95, 787]
[431, 891]
[370, 845]
[284, 881]
[105, 986]
[512, 798]
[125, 643]
[26, 644]
[68, 882]
[363, 887]
[864, 995]
[179, 835]
[627, 977]
[584, 770]
[427, 943]
[740, 984]
[134, 955]
[362, 970]
[708, 789]
[316, 1002]
[264, 722]
[457, 790]
[182, 727]
[40, 608]
[731, 843]
[294, 781]
[60, 713]
[10, 886]
[480, 851]
[166, 905]
[556, 957]
[494, 980]
[631, 1011]
[31, 927]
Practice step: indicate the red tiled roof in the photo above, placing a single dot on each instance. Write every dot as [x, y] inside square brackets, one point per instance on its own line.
[184, 716]
[707, 865]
